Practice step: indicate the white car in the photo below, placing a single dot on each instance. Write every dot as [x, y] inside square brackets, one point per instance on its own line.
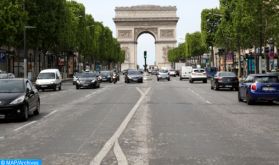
[163, 74]
[49, 79]
[198, 75]
[185, 72]
[172, 72]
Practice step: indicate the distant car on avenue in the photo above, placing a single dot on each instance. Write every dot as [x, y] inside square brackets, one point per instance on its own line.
[198, 74]
[172, 72]
[133, 76]
[163, 74]
[224, 80]
[88, 80]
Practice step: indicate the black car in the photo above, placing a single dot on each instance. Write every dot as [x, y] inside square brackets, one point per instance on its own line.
[224, 79]
[18, 98]
[133, 76]
[87, 80]
[106, 76]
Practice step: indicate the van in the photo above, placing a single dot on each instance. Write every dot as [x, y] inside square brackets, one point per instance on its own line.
[185, 72]
[49, 79]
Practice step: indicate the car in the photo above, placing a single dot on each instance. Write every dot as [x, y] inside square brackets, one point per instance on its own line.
[88, 80]
[6, 75]
[198, 74]
[49, 79]
[133, 76]
[224, 79]
[18, 99]
[75, 77]
[106, 76]
[172, 72]
[185, 72]
[259, 87]
[163, 74]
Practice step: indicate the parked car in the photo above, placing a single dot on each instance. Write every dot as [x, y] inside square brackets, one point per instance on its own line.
[163, 74]
[133, 76]
[185, 72]
[49, 79]
[88, 80]
[18, 98]
[224, 80]
[6, 75]
[172, 72]
[259, 87]
[198, 74]
[106, 76]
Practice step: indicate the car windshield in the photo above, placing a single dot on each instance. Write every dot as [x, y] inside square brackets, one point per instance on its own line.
[105, 73]
[133, 72]
[46, 76]
[163, 71]
[87, 75]
[227, 74]
[267, 79]
[11, 86]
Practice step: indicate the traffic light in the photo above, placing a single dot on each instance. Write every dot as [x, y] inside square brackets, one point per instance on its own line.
[144, 53]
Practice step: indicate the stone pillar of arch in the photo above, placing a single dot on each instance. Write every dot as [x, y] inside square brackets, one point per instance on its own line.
[158, 21]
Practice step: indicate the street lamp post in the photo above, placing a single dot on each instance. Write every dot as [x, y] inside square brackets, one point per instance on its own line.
[25, 50]
[270, 56]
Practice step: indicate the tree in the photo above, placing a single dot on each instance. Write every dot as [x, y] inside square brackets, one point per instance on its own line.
[210, 20]
[12, 21]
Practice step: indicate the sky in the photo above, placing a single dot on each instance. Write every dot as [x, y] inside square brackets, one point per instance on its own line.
[188, 11]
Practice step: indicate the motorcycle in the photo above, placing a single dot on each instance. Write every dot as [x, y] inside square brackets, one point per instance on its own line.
[114, 78]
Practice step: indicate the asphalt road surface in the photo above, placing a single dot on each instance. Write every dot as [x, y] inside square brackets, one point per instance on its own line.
[157, 123]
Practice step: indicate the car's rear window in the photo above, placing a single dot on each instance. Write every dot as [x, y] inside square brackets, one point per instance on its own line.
[267, 79]
[198, 70]
[227, 74]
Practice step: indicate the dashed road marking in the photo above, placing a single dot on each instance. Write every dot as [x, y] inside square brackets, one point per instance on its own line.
[51, 113]
[26, 125]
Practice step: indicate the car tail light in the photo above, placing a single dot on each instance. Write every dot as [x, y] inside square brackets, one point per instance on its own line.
[254, 87]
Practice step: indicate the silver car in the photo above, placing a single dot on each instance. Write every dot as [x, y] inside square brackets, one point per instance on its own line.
[163, 74]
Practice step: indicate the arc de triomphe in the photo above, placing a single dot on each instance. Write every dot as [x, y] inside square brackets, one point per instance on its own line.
[159, 21]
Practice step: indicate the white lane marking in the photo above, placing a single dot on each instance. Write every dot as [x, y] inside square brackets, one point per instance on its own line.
[51, 113]
[208, 102]
[140, 91]
[120, 156]
[108, 145]
[2, 137]
[19, 128]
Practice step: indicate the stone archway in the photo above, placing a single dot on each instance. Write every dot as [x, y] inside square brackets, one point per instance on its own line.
[159, 21]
